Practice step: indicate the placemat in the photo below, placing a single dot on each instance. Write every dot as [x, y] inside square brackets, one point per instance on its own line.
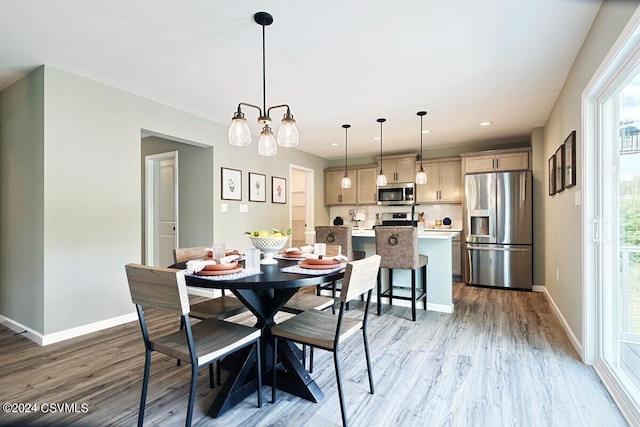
[232, 276]
[312, 272]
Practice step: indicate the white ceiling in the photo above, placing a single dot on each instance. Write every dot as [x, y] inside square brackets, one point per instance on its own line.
[333, 62]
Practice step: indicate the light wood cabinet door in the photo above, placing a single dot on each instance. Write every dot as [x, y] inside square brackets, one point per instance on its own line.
[479, 164]
[428, 192]
[456, 258]
[512, 161]
[444, 182]
[405, 171]
[334, 194]
[497, 162]
[367, 189]
[450, 181]
[399, 169]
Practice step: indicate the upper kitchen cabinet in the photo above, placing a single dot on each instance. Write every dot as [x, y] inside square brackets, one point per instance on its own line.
[444, 182]
[399, 169]
[363, 189]
[366, 189]
[506, 160]
[334, 194]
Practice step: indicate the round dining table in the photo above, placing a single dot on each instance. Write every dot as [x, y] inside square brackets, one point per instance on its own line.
[264, 295]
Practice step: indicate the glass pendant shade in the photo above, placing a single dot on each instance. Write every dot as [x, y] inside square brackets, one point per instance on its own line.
[346, 182]
[267, 145]
[381, 180]
[239, 133]
[421, 177]
[288, 132]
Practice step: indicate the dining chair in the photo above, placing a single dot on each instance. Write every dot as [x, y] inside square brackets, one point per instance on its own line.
[323, 330]
[398, 247]
[200, 344]
[337, 235]
[213, 308]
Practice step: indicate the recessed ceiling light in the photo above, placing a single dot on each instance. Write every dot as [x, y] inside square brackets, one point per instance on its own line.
[485, 123]
[426, 131]
[376, 138]
[334, 144]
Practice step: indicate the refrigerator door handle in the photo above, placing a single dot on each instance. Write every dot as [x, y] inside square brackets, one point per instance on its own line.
[482, 248]
[523, 188]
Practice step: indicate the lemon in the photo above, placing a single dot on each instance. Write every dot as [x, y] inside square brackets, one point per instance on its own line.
[263, 233]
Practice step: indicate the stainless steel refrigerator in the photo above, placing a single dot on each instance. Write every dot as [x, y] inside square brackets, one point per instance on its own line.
[498, 229]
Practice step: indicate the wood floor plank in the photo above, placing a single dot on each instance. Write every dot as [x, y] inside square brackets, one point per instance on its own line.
[501, 359]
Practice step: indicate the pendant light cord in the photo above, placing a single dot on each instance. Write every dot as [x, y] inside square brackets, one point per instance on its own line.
[264, 73]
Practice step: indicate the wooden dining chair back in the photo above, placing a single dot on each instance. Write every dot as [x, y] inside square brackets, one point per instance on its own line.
[398, 247]
[323, 330]
[200, 344]
[213, 308]
[187, 254]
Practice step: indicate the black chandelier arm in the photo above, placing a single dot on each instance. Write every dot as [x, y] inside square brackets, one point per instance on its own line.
[249, 105]
[278, 106]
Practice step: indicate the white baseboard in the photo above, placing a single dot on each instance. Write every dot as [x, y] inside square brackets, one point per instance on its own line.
[565, 325]
[204, 292]
[441, 308]
[538, 288]
[55, 337]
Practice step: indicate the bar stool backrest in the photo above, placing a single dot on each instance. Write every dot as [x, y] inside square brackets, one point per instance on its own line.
[336, 235]
[398, 247]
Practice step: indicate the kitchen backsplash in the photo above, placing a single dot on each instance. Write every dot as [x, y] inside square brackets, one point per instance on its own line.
[431, 213]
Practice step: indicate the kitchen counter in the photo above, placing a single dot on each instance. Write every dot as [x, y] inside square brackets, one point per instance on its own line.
[433, 233]
[436, 244]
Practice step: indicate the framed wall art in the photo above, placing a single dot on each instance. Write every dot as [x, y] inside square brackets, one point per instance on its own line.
[570, 160]
[257, 187]
[231, 184]
[559, 169]
[278, 190]
[552, 175]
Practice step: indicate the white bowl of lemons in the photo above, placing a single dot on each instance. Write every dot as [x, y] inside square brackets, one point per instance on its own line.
[269, 243]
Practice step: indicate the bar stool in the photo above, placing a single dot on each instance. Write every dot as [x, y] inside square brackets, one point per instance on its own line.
[337, 235]
[398, 247]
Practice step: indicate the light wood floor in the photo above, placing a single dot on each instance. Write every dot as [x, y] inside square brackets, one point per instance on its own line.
[502, 359]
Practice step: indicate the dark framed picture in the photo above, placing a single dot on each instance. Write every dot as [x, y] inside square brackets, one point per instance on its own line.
[257, 187]
[278, 190]
[552, 175]
[570, 160]
[559, 169]
[230, 184]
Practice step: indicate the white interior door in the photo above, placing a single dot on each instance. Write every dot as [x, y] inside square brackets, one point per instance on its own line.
[302, 223]
[162, 208]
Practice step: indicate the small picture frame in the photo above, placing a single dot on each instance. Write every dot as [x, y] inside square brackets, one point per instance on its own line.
[230, 184]
[278, 190]
[570, 160]
[552, 175]
[559, 169]
[257, 187]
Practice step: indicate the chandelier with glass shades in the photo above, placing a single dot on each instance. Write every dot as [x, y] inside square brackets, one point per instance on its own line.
[239, 133]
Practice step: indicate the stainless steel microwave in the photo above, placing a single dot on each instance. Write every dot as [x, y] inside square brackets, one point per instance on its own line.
[397, 194]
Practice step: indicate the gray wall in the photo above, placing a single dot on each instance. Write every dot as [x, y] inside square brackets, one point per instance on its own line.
[563, 219]
[76, 203]
[22, 201]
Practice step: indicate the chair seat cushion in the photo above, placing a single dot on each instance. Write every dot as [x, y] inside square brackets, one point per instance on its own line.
[217, 308]
[213, 339]
[316, 328]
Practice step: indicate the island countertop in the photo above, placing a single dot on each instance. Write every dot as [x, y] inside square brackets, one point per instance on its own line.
[426, 234]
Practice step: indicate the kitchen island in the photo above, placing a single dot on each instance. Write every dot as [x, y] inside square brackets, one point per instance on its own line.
[434, 244]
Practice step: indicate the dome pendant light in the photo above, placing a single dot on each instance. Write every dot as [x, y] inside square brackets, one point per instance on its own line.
[239, 132]
[346, 181]
[382, 179]
[421, 176]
